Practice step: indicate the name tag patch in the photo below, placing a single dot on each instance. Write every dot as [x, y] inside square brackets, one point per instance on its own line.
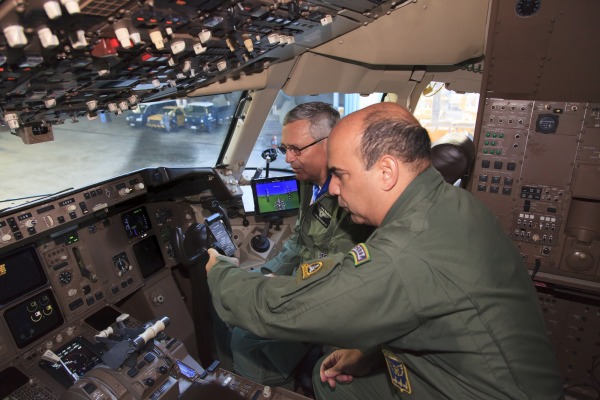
[309, 269]
[322, 215]
[398, 372]
[360, 253]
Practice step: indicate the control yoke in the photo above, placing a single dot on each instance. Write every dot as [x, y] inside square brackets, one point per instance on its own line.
[191, 250]
[191, 247]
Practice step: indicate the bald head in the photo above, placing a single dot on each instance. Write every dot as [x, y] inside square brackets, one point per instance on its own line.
[391, 111]
[386, 128]
[373, 154]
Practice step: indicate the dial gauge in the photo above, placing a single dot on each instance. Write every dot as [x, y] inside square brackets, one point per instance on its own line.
[65, 277]
[527, 8]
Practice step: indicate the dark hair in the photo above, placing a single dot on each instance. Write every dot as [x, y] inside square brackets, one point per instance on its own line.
[322, 117]
[386, 133]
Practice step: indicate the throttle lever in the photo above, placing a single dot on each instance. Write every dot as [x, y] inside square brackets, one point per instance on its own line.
[150, 332]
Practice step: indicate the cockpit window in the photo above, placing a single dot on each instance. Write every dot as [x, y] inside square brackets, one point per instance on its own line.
[87, 152]
[270, 135]
[443, 111]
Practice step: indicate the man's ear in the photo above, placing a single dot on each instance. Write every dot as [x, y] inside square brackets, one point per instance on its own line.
[389, 170]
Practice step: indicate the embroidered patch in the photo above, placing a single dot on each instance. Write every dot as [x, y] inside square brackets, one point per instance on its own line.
[398, 372]
[361, 254]
[322, 215]
[309, 269]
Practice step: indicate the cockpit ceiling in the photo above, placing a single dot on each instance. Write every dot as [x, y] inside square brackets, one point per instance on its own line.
[65, 60]
[423, 32]
[386, 54]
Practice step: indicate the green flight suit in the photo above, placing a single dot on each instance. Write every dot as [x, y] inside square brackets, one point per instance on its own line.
[438, 285]
[322, 228]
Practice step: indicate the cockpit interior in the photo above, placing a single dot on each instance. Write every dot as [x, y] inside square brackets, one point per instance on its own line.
[125, 125]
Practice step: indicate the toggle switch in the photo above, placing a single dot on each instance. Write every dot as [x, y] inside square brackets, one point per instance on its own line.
[47, 38]
[52, 9]
[15, 36]
[72, 6]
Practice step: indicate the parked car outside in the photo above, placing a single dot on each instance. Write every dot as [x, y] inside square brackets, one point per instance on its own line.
[200, 116]
[137, 118]
[168, 119]
[224, 108]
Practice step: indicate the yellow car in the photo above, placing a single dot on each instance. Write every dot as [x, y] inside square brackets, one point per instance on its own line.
[168, 118]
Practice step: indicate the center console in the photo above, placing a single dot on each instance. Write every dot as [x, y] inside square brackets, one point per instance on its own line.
[113, 356]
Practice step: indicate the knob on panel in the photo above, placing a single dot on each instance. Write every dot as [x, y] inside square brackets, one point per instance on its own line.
[580, 260]
[49, 220]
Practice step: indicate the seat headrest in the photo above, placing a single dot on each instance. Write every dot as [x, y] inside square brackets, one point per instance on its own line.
[453, 155]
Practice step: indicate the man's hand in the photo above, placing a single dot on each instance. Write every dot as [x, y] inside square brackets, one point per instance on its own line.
[343, 365]
[214, 257]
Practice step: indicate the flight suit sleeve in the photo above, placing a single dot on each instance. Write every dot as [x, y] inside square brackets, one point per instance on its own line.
[286, 260]
[348, 234]
[334, 300]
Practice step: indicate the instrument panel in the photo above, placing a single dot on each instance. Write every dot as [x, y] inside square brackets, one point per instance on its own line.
[61, 210]
[67, 289]
[536, 169]
[53, 277]
[91, 251]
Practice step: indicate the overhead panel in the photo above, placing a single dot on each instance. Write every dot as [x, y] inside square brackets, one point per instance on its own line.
[80, 59]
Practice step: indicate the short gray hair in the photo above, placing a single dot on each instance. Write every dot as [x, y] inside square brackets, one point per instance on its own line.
[322, 117]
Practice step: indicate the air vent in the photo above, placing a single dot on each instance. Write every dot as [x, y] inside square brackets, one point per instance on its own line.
[101, 8]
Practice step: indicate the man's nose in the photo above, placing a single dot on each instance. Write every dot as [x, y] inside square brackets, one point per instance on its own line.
[334, 188]
[289, 157]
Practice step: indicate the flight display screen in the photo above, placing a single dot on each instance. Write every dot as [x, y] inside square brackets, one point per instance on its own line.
[148, 256]
[136, 222]
[275, 195]
[33, 318]
[79, 356]
[12, 379]
[20, 273]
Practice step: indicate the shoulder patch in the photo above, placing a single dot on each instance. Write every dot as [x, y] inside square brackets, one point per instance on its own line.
[309, 269]
[322, 215]
[398, 372]
[360, 253]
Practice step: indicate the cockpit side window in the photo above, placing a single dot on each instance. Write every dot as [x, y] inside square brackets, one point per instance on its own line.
[443, 111]
[270, 135]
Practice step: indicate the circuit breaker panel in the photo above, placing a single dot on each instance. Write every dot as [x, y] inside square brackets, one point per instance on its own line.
[537, 169]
